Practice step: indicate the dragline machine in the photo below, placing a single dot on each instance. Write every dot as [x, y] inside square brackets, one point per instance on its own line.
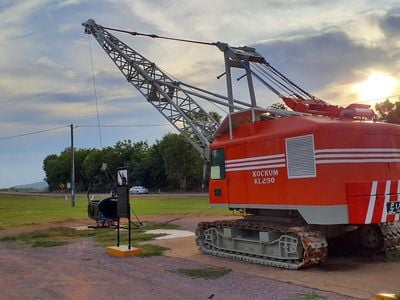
[301, 177]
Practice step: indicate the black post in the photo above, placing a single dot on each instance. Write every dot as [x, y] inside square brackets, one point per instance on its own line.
[118, 233]
[72, 167]
[129, 225]
[123, 210]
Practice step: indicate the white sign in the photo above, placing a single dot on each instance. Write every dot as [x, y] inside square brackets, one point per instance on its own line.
[122, 177]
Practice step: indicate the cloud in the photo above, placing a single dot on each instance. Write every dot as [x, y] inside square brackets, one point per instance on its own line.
[329, 63]
[321, 43]
[240, 22]
[16, 13]
[46, 62]
[71, 74]
[323, 57]
[65, 3]
[390, 24]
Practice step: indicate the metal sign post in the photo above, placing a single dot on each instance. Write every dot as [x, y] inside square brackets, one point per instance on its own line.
[123, 208]
[123, 211]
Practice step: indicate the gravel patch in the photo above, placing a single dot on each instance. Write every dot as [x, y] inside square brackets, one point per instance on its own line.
[82, 270]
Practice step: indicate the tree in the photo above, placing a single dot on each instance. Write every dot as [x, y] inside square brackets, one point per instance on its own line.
[183, 164]
[172, 162]
[278, 106]
[92, 164]
[154, 166]
[58, 169]
[138, 163]
[103, 179]
[51, 169]
[388, 112]
[81, 182]
[216, 116]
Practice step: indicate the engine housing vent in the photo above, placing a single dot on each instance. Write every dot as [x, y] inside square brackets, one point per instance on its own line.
[300, 157]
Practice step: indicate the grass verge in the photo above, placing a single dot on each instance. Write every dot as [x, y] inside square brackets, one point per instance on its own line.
[104, 237]
[48, 238]
[393, 256]
[205, 273]
[313, 296]
[18, 210]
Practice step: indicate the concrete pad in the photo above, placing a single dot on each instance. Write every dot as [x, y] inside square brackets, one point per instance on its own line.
[354, 277]
[82, 228]
[123, 251]
[170, 233]
[179, 247]
[385, 297]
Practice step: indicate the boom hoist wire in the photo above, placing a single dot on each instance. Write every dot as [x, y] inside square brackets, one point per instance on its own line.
[155, 36]
[255, 64]
[95, 93]
[261, 69]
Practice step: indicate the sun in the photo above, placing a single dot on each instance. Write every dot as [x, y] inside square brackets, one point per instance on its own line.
[377, 86]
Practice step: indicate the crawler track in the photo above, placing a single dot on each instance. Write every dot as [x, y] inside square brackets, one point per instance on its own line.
[391, 236]
[313, 242]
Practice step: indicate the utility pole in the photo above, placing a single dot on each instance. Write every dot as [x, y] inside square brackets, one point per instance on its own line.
[72, 167]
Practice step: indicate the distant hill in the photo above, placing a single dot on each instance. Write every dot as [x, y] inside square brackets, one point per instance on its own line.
[38, 186]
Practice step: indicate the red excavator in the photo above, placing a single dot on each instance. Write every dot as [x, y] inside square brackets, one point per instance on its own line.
[301, 177]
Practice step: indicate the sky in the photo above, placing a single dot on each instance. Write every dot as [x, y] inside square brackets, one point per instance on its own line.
[341, 51]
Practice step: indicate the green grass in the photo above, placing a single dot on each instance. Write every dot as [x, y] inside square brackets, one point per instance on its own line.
[393, 255]
[48, 238]
[30, 210]
[104, 237]
[313, 296]
[175, 206]
[205, 273]
[152, 250]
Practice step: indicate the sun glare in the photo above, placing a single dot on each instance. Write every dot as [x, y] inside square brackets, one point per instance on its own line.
[377, 87]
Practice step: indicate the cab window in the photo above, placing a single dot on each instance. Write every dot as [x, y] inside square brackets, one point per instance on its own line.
[217, 164]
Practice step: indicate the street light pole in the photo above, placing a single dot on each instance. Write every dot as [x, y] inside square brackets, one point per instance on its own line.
[72, 167]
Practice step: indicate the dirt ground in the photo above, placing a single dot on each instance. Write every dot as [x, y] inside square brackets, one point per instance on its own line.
[82, 270]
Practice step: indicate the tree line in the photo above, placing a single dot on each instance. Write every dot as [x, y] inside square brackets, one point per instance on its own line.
[171, 163]
[388, 112]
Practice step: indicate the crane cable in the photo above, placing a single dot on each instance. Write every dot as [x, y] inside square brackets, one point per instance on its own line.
[155, 36]
[95, 94]
[191, 88]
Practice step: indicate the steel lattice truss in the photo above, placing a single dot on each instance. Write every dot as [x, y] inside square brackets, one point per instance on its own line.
[164, 93]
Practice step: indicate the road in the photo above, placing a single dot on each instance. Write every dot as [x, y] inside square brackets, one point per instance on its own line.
[150, 195]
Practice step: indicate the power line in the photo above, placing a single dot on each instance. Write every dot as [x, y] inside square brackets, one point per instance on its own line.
[123, 126]
[82, 126]
[33, 132]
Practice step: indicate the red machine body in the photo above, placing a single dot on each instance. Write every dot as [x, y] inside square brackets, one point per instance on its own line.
[330, 171]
